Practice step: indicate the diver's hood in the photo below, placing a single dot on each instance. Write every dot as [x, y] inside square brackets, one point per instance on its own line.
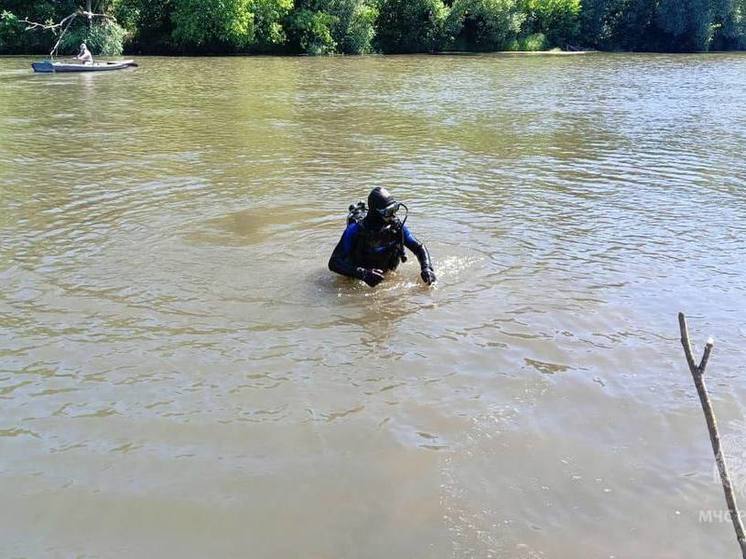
[380, 198]
[381, 206]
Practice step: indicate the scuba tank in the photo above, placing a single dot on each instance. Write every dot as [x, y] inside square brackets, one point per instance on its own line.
[356, 212]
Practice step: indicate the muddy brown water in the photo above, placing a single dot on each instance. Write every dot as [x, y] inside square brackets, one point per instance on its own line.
[181, 376]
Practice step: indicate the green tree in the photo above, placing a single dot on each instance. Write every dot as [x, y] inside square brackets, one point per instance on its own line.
[411, 25]
[103, 37]
[14, 39]
[688, 22]
[103, 34]
[328, 26]
[269, 17]
[311, 31]
[213, 25]
[354, 28]
[558, 20]
[149, 23]
[732, 33]
[483, 25]
[618, 24]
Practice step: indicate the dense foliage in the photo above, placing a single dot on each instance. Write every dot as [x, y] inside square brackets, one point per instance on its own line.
[364, 26]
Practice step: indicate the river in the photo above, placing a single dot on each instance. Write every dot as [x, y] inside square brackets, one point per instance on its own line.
[181, 376]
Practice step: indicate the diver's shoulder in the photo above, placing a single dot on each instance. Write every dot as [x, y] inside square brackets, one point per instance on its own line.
[353, 228]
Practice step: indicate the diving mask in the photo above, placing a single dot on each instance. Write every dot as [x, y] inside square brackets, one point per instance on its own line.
[389, 211]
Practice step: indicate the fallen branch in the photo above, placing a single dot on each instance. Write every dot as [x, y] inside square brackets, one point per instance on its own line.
[56, 46]
[53, 26]
[47, 26]
[698, 373]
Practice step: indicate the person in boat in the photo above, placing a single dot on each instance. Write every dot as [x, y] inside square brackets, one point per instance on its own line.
[374, 244]
[84, 55]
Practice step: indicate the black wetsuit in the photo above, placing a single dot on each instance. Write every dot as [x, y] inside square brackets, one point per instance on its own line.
[373, 244]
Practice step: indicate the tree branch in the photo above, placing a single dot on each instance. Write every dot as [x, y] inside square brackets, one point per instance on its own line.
[91, 15]
[698, 373]
[47, 26]
[54, 26]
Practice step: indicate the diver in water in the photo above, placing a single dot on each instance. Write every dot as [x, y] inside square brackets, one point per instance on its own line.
[374, 242]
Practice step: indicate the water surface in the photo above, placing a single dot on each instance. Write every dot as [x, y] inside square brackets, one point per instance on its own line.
[181, 376]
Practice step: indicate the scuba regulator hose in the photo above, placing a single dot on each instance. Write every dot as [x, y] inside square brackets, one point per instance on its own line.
[402, 253]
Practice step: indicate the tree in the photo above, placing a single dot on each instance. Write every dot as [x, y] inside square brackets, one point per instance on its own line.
[329, 26]
[732, 33]
[14, 14]
[213, 25]
[70, 22]
[688, 22]
[311, 31]
[354, 28]
[558, 20]
[483, 25]
[269, 16]
[618, 24]
[149, 24]
[411, 25]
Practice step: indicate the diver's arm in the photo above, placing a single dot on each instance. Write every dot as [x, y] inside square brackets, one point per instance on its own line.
[341, 260]
[423, 256]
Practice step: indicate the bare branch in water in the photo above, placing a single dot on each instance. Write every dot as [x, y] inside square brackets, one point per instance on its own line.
[698, 373]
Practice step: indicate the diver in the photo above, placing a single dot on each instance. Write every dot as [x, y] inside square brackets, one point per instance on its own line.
[374, 241]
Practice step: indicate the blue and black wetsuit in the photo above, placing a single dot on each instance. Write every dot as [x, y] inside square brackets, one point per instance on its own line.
[371, 244]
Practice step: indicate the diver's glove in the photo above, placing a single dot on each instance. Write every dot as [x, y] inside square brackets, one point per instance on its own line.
[428, 276]
[372, 277]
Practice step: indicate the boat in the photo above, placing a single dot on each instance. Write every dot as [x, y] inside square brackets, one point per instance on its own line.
[49, 66]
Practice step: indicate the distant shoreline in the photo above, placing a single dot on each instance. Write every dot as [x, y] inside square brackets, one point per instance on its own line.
[554, 52]
[506, 53]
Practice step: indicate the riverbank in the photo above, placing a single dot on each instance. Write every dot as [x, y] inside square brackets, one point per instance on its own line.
[556, 52]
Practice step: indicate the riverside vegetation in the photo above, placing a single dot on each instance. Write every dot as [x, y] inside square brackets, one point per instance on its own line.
[387, 26]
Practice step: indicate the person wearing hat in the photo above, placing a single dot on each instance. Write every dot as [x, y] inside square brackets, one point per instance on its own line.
[374, 244]
[84, 55]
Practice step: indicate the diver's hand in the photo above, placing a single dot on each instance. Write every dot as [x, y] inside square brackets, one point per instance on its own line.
[372, 277]
[428, 276]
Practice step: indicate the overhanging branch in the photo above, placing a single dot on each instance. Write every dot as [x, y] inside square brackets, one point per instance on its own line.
[55, 26]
